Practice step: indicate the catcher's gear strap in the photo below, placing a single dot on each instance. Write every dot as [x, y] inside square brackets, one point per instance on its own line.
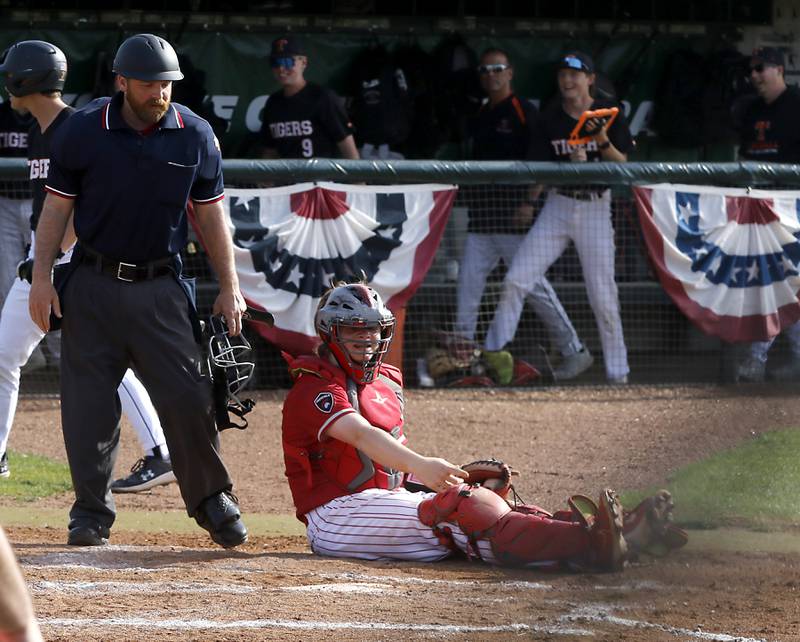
[517, 538]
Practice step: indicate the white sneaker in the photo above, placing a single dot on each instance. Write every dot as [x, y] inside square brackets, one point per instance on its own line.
[751, 370]
[573, 364]
[789, 372]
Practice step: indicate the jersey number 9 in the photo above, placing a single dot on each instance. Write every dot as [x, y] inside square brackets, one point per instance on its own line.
[308, 148]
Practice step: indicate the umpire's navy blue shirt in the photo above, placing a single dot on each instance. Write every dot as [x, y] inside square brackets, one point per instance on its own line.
[131, 188]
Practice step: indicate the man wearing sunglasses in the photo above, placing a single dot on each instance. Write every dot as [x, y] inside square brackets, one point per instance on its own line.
[504, 129]
[769, 133]
[578, 214]
[303, 120]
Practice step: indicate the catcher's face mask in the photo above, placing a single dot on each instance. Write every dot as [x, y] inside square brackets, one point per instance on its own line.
[230, 371]
[357, 327]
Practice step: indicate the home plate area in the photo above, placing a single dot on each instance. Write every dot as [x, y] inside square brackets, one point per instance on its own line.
[274, 589]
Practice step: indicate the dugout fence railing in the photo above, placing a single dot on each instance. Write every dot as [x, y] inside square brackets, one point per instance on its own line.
[663, 347]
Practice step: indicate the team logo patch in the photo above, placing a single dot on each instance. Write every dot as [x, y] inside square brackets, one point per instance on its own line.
[324, 401]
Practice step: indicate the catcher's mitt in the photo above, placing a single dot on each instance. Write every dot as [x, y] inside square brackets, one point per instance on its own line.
[648, 528]
[492, 474]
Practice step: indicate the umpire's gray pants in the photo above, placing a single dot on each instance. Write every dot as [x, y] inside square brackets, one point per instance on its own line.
[110, 325]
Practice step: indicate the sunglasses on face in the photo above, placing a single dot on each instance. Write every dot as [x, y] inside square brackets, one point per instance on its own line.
[287, 62]
[492, 69]
[759, 68]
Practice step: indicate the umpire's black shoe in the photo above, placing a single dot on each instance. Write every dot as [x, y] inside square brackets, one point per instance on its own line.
[86, 536]
[220, 516]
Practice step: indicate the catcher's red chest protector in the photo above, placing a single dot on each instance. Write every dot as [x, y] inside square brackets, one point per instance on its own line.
[320, 469]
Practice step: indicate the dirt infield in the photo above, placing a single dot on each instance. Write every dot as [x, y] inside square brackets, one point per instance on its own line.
[171, 586]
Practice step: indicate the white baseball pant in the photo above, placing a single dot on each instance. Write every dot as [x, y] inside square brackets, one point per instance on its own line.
[588, 225]
[482, 252]
[19, 336]
[759, 349]
[380, 524]
[15, 235]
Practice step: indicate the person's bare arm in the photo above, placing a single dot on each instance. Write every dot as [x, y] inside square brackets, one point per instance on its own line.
[17, 622]
[436, 473]
[217, 240]
[50, 234]
[347, 148]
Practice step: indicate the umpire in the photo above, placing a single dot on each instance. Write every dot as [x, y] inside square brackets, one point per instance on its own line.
[129, 164]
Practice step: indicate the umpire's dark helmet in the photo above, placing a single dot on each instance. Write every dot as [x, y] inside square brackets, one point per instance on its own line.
[147, 57]
[32, 67]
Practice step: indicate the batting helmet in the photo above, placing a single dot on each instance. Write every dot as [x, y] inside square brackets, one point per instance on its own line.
[230, 371]
[147, 57]
[355, 306]
[32, 67]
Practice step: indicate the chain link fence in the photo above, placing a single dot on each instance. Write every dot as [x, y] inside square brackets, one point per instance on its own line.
[591, 273]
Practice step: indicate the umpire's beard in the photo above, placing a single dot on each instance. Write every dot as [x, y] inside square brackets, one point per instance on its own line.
[149, 111]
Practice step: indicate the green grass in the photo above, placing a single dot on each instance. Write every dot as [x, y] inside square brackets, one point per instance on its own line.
[756, 486]
[33, 476]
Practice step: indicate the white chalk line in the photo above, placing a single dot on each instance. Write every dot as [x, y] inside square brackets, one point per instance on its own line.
[344, 587]
[45, 586]
[308, 625]
[602, 613]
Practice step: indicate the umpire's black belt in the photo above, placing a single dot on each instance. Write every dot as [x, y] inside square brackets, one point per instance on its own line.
[129, 272]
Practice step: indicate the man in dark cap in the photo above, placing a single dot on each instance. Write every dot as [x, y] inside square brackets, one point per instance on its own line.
[303, 120]
[769, 133]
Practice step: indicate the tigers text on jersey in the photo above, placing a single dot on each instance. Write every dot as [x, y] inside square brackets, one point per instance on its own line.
[769, 132]
[39, 160]
[308, 124]
[556, 126]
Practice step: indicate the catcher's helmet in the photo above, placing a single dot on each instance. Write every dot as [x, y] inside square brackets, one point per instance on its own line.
[355, 306]
[230, 371]
[32, 67]
[147, 57]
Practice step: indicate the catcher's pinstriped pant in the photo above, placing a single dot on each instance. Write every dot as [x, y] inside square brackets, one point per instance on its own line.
[588, 225]
[15, 234]
[381, 524]
[482, 252]
[110, 325]
[19, 336]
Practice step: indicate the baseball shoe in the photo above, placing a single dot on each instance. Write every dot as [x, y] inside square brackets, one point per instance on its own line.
[86, 535]
[4, 470]
[618, 381]
[148, 472]
[608, 544]
[789, 372]
[573, 364]
[751, 370]
[220, 516]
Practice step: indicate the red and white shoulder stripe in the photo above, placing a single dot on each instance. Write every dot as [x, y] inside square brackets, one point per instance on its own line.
[58, 192]
[213, 199]
[104, 115]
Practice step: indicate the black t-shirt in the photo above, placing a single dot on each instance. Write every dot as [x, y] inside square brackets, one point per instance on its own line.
[14, 144]
[556, 125]
[770, 132]
[39, 160]
[306, 125]
[501, 132]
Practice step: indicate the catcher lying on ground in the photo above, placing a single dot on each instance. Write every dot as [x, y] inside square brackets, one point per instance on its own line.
[354, 481]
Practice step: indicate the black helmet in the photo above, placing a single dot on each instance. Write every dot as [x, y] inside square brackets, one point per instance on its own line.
[147, 57]
[32, 67]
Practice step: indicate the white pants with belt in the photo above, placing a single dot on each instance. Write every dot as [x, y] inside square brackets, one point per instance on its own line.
[19, 336]
[587, 224]
[482, 253]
